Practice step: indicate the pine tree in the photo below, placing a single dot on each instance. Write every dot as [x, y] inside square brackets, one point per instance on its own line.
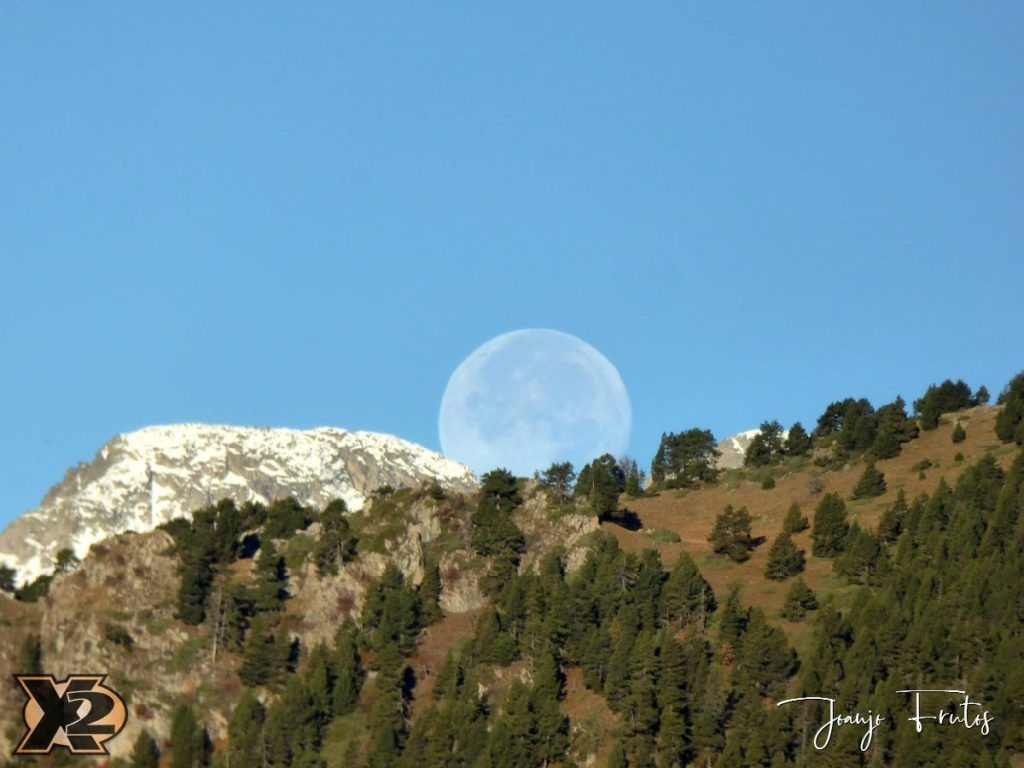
[387, 725]
[551, 727]
[981, 396]
[188, 739]
[290, 733]
[798, 442]
[196, 578]
[494, 532]
[766, 447]
[830, 527]
[731, 534]
[227, 529]
[430, 594]
[685, 459]
[734, 617]
[337, 544]
[890, 524]
[799, 600]
[144, 752]
[67, 561]
[795, 520]
[348, 670]
[870, 484]
[268, 579]
[764, 659]
[959, 434]
[559, 478]
[319, 680]
[284, 517]
[686, 595]
[245, 731]
[785, 559]
[265, 656]
[492, 645]
[601, 482]
[634, 477]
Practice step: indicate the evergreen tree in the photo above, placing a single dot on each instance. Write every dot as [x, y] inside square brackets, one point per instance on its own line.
[830, 527]
[686, 595]
[67, 561]
[764, 659]
[862, 558]
[674, 686]
[870, 484]
[245, 731]
[981, 396]
[284, 517]
[685, 459]
[799, 600]
[551, 727]
[144, 752]
[795, 520]
[734, 617]
[492, 645]
[195, 548]
[227, 529]
[634, 483]
[731, 534]
[188, 739]
[559, 478]
[265, 657]
[601, 482]
[766, 447]
[959, 434]
[894, 429]
[387, 724]
[942, 398]
[494, 532]
[798, 442]
[290, 732]
[785, 559]
[430, 594]
[347, 670]
[337, 544]
[392, 612]
[268, 579]
[892, 518]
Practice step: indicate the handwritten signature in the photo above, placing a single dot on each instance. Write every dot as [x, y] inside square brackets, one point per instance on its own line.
[966, 714]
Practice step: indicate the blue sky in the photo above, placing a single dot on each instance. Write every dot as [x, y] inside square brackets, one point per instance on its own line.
[308, 214]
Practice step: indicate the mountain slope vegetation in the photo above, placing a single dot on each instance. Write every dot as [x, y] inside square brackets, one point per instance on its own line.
[529, 625]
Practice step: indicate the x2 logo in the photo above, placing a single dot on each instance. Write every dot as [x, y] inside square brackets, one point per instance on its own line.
[79, 713]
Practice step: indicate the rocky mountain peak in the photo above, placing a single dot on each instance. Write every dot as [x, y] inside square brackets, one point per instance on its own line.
[138, 480]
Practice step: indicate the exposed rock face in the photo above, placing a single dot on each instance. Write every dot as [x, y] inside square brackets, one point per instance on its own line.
[129, 583]
[141, 479]
[544, 531]
[734, 449]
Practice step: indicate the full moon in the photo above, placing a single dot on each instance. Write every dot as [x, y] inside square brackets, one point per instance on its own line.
[531, 397]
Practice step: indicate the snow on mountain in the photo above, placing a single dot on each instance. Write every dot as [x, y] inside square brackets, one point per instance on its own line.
[734, 448]
[141, 479]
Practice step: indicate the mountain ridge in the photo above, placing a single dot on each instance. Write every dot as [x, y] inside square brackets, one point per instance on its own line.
[140, 479]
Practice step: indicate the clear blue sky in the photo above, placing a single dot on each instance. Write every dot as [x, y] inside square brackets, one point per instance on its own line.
[308, 214]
